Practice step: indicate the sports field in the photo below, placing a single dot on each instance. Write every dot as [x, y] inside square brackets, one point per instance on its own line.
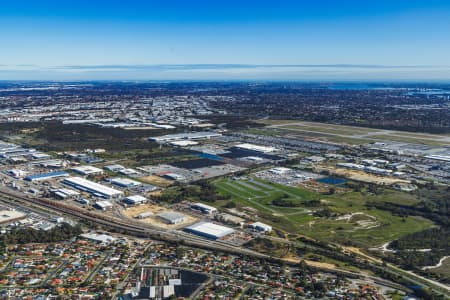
[348, 217]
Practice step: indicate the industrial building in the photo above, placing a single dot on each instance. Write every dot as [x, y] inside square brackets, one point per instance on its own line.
[257, 148]
[103, 205]
[209, 230]
[185, 136]
[206, 209]
[16, 173]
[279, 170]
[261, 227]
[64, 193]
[87, 170]
[439, 157]
[183, 143]
[171, 217]
[46, 176]
[40, 155]
[92, 188]
[125, 182]
[230, 219]
[114, 168]
[144, 215]
[134, 200]
[174, 176]
[129, 172]
[98, 238]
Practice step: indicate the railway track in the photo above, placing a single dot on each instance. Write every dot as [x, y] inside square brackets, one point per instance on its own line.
[141, 230]
[144, 231]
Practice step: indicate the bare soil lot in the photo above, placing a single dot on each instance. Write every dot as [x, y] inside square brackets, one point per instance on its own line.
[132, 212]
[156, 180]
[362, 176]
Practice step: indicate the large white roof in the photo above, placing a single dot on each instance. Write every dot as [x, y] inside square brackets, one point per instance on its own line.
[125, 182]
[137, 198]
[264, 149]
[87, 170]
[92, 186]
[211, 229]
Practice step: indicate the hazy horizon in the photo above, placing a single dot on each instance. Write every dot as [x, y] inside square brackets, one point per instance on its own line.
[203, 40]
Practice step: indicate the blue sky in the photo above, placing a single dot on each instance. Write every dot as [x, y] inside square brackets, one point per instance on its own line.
[294, 40]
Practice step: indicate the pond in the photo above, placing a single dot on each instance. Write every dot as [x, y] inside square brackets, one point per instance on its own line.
[332, 180]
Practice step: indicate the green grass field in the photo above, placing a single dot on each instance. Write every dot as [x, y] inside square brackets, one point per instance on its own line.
[443, 270]
[350, 134]
[382, 227]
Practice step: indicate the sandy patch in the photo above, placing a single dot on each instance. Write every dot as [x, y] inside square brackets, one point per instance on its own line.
[132, 212]
[362, 176]
[156, 180]
[318, 264]
[360, 253]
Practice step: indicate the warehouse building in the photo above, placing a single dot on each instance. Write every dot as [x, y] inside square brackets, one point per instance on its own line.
[261, 227]
[16, 173]
[46, 176]
[185, 136]
[257, 148]
[87, 170]
[125, 182]
[134, 200]
[174, 176]
[40, 155]
[206, 209]
[171, 217]
[209, 230]
[64, 193]
[230, 219]
[98, 238]
[183, 143]
[103, 205]
[114, 168]
[144, 215]
[129, 172]
[93, 188]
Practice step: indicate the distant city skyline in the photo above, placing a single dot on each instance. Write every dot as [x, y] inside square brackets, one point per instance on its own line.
[233, 40]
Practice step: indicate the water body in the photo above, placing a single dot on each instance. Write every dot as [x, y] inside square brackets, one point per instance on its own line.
[332, 180]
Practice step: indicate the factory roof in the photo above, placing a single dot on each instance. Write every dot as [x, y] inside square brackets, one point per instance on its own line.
[261, 226]
[209, 230]
[90, 186]
[104, 204]
[183, 143]
[204, 206]
[185, 136]
[125, 182]
[101, 238]
[136, 198]
[68, 192]
[171, 216]
[258, 148]
[44, 176]
[279, 170]
[87, 170]
[114, 168]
